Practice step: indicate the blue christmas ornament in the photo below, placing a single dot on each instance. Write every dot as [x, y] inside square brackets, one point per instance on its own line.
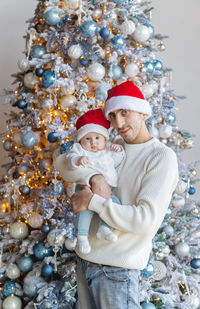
[52, 137]
[115, 72]
[148, 306]
[39, 72]
[40, 251]
[25, 263]
[47, 270]
[88, 29]
[84, 62]
[30, 289]
[30, 139]
[48, 78]
[195, 263]
[117, 42]
[46, 228]
[104, 32]
[21, 104]
[171, 118]
[168, 213]
[148, 67]
[25, 190]
[65, 147]
[191, 190]
[119, 1]
[67, 19]
[58, 188]
[158, 66]
[37, 51]
[151, 28]
[148, 271]
[171, 103]
[9, 288]
[2, 278]
[52, 16]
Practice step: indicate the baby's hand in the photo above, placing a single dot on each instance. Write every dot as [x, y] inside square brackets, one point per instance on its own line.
[115, 147]
[82, 161]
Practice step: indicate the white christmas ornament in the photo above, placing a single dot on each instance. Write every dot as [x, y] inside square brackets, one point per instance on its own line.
[30, 80]
[153, 84]
[165, 131]
[47, 104]
[35, 220]
[67, 101]
[19, 230]
[55, 238]
[178, 201]
[96, 71]
[127, 27]
[182, 249]
[193, 301]
[153, 131]
[97, 13]
[181, 187]
[160, 270]
[169, 231]
[73, 4]
[75, 51]
[12, 271]
[131, 69]
[147, 90]
[17, 137]
[12, 302]
[23, 65]
[141, 34]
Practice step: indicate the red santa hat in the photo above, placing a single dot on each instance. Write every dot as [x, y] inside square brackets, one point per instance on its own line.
[92, 121]
[126, 96]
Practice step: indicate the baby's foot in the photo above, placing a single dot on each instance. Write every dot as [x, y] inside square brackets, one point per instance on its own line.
[70, 244]
[83, 244]
[105, 233]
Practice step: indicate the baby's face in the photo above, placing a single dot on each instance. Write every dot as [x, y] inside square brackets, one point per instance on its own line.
[93, 142]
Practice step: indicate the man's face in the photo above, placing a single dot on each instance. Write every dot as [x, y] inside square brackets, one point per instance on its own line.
[128, 123]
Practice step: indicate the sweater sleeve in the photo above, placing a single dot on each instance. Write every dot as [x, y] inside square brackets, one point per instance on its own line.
[146, 215]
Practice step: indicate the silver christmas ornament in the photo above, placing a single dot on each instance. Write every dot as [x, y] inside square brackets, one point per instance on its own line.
[73, 4]
[147, 90]
[182, 249]
[160, 271]
[23, 65]
[141, 33]
[47, 104]
[97, 13]
[18, 230]
[30, 80]
[12, 302]
[55, 238]
[7, 145]
[131, 69]
[127, 27]
[96, 71]
[165, 131]
[75, 51]
[169, 231]
[35, 220]
[12, 271]
[181, 187]
[67, 101]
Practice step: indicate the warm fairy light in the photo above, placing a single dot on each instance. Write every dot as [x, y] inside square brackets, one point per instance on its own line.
[4, 206]
[157, 299]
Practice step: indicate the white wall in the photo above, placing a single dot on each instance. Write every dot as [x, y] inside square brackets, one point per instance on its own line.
[177, 18]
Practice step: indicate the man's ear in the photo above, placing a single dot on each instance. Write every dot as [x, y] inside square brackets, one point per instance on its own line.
[144, 116]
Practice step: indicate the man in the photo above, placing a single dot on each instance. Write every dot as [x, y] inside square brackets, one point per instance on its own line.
[108, 276]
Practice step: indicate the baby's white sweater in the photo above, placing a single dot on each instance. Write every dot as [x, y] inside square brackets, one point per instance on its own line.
[146, 180]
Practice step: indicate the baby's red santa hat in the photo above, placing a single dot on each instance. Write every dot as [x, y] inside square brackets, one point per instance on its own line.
[126, 96]
[92, 121]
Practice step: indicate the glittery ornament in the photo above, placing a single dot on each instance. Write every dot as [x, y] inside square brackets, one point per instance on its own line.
[169, 231]
[88, 29]
[12, 302]
[117, 42]
[52, 16]
[75, 51]
[148, 67]
[48, 78]
[160, 270]
[41, 251]
[104, 32]
[131, 69]
[55, 238]
[141, 34]
[73, 4]
[18, 230]
[182, 249]
[96, 71]
[52, 137]
[9, 288]
[47, 104]
[127, 27]
[67, 101]
[165, 131]
[147, 90]
[25, 263]
[30, 80]
[12, 271]
[35, 220]
[38, 51]
[115, 72]
[23, 65]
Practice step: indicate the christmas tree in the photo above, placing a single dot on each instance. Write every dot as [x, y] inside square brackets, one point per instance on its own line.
[75, 51]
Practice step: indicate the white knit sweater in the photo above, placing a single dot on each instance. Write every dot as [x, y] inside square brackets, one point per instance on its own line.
[147, 178]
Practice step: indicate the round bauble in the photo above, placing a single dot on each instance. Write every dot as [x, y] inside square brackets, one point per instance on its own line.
[12, 271]
[46, 163]
[191, 190]
[30, 80]
[153, 84]
[104, 32]
[127, 27]
[24, 190]
[157, 65]
[182, 249]
[178, 201]
[75, 51]
[162, 252]
[7, 145]
[67, 101]
[55, 238]
[46, 228]
[148, 306]
[181, 187]
[52, 137]
[96, 71]
[96, 14]
[23, 65]
[148, 67]
[117, 42]
[52, 16]
[12, 302]
[47, 270]
[48, 78]
[115, 72]
[88, 29]
[58, 188]
[165, 131]
[17, 137]
[38, 51]
[9, 288]
[170, 118]
[193, 302]
[169, 231]
[21, 104]
[147, 90]
[25, 263]
[84, 61]
[35, 221]
[168, 213]
[102, 91]
[47, 104]
[151, 29]
[148, 271]
[131, 70]
[195, 263]
[22, 169]
[141, 34]
[18, 230]
[39, 72]
[73, 4]
[41, 251]
[65, 147]
[160, 270]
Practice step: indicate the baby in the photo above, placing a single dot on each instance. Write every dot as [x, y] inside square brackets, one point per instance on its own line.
[94, 151]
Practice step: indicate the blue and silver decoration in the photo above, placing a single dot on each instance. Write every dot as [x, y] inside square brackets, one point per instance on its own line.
[170, 118]
[39, 72]
[104, 32]
[21, 104]
[65, 147]
[115, 72]
[38, 51]
[46, 228]
[158, 66]
[168, 213]
[148, 271]
[47, 270]
[84, 61]
[151, 29]
[48, 78]
[148, 306]
[191, 190]
[58, 188]
[25, 263]
[195, 263]
[88, 29]
[148, 67]
[41, 251]
[52, 16]
[117, 42]
[30, 139]
[52, 137]
[24, 190]
[9, 288]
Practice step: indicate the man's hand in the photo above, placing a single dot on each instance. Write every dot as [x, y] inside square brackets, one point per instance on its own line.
[99, 186]
[80, 200]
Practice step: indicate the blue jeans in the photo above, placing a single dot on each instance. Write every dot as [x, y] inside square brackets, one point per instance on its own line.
[107, 287]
